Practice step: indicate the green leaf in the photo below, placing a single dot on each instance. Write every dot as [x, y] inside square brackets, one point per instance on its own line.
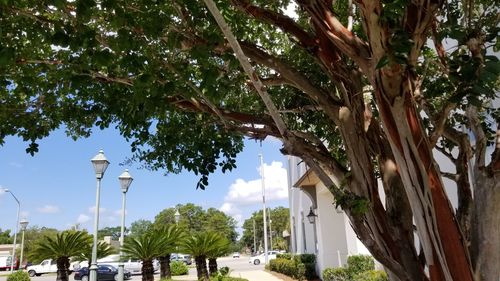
[7, 56]
[382, 62]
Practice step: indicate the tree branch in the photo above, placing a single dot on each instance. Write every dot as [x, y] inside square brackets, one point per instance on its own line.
[323, 17]
[286, 23]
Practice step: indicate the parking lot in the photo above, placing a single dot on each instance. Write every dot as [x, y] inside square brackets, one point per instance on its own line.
[238, 268]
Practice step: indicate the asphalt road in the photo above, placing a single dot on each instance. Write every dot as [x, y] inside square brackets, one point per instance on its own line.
[236, 265]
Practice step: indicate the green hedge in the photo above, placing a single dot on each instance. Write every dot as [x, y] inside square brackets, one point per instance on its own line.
[371, 275]
[305, 258]
[284, 266]
[286, 256]
[336, 274]
[300, 267]
[359, 268]
[360, 263]
[18, 276]
[178, 268]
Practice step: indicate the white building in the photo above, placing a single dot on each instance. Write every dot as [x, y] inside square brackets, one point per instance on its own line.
[330, 237]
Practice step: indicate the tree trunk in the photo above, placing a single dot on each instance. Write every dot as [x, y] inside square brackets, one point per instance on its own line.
[436, 224]
[486, 225]
[201, 268]
[147, 270]
[165, 272]
[212, 266]
[62, 269]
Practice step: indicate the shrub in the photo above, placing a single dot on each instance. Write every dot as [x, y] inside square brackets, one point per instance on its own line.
[305, 258]
[284, 266]
[178, 268]
[371, 275]
[360, 263]
[336, 274]
[18, 276]
[286, 256]
[300, 273]
[310, 270]
[224, 271]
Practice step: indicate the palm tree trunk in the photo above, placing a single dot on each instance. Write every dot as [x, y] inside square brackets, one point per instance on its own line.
[212, 266]
[62, 269]
[165, 272]
[147, 270]
[201, 268]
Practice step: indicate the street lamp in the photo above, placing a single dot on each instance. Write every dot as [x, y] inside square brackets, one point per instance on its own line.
[311, 216]
[125, 180]
[100, 165]
[13, 261]
[177, 216]
[266, 257]
[24, 224]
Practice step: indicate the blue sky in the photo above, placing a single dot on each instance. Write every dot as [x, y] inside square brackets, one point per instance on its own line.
[57, 186]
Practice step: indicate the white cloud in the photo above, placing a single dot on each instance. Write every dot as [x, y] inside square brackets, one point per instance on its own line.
[244, 192]
[231, 210]
[82, 218]
[48, 209]
[25, 214]
[118, 212]
[101, 210]
[16, 165]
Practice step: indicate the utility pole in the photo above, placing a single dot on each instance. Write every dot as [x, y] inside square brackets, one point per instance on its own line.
[264, 208]
[254, 238]
[270, 230]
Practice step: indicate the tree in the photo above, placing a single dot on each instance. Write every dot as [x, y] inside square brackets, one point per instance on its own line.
[103, 250]
[140, 227]
[195, 219]
[201, 246]
[364, 94]
[171, 235]
[221, 248]
[217, 221]
[64, 246]
[145, 247]
[114, 232]
[33, 236]
[280, 218]
[5, 237]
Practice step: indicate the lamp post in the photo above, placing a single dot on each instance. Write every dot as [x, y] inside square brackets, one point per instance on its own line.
[312, 219]
[125, 181]
[177, 216]
[24, 224]
[100, 165]
[266, 258]
[13, 261]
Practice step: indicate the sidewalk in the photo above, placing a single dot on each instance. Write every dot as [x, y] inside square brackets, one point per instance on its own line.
[256, 275]
[251, 275]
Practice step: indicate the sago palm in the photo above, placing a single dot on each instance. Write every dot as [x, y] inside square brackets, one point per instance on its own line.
[61, 248]
[221, 248]
[103, 250]
[171, 236]
[200, 246]
[145, 248]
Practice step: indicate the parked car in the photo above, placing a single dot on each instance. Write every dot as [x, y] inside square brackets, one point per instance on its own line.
[236, 255]
[271, 255]
[181, 257]
[134, 266]
[105, 272]
[46, 266]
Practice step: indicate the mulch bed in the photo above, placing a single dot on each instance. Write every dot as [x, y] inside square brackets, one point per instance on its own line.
[286, 277]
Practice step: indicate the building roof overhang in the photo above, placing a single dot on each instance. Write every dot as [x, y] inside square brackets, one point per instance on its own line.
[308, 179]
